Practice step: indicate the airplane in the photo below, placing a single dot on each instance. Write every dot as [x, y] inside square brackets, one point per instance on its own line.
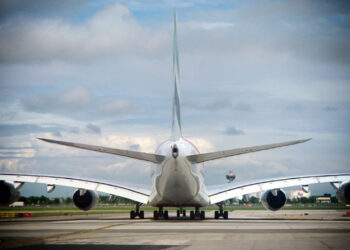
[230, 177]
[178, 176]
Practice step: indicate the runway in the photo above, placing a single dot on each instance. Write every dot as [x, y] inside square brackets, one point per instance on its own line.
[286, 229]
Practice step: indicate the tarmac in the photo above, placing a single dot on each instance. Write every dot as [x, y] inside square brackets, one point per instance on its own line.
[247, 229]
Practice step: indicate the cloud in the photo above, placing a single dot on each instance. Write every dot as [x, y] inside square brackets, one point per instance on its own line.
[135, 147]
[244, 107]
[74, 99]
[209, 25]
[111, 31]
[330, 109]
[20, 129]
[13, 165]
[44, 8]
[218, 104]
[233, 131]
[93, 128]
[10, 130]
[77, 103]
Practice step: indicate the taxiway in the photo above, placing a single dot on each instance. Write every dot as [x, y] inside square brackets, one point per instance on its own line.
[285, 229]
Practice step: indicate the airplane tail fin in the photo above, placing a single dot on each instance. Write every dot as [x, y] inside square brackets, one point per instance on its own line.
[176, 126]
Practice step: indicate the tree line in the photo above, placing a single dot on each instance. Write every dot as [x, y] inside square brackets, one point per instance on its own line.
[43, 200]
[303, 200]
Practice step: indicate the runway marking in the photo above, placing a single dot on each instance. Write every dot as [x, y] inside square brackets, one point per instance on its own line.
[37, 240]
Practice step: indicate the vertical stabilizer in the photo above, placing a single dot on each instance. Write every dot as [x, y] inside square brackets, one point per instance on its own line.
[176, 129]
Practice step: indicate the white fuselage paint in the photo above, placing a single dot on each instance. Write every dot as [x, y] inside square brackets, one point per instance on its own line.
[177, 182]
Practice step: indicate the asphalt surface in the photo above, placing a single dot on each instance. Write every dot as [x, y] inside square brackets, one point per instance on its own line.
[286, 229]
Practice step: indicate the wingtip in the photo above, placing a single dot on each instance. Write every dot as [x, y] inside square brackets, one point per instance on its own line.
[305, 140]
[43, 139]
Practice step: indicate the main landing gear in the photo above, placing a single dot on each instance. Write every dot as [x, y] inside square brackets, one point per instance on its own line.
[221, 212]
[181, 211]
[165, 215]
[160, 214]
[197, 214]
[137, 212]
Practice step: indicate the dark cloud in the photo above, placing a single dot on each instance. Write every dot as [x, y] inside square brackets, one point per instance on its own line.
[41, 8]
[233, 131]
[93, 128]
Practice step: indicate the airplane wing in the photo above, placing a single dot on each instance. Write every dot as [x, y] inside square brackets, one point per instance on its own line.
[217, 195]
[127, 153]
[198, 158]
[135, 194]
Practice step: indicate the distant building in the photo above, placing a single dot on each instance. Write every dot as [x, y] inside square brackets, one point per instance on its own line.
[297, 194]
[323, 200]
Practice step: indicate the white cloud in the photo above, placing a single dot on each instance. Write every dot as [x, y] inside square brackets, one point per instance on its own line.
[111, 31]
[209, 25]
[12, 165]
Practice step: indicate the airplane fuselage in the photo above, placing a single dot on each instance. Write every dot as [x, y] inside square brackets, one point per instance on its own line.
[177, 182]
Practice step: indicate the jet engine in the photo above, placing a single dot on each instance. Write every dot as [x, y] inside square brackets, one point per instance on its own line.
[274, 199]
[85, 199]
[8, 193]
[343, 193]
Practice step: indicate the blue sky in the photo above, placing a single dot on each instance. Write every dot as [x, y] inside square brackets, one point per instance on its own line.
[99, 72]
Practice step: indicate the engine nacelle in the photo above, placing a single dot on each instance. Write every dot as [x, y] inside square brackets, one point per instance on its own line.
[8, 193]
[85, 199]
[343, 193]
[274, 199]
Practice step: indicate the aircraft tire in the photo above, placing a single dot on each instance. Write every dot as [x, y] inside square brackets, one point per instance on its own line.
[184, 213]
[191, 215]
[132, 214]
[216, 215]
[142, 214]
[155, 215]
[178, 213]
[225, 215]
[166, 215]
[202, 215]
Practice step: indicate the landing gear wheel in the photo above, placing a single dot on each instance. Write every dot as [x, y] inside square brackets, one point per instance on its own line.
[216, 215]
[132, 214]
[142, 214]
[225, 215]
[155, 215]
[184, 213]
[166, 215]
[191, 215]
[202, 216]
[178, 213]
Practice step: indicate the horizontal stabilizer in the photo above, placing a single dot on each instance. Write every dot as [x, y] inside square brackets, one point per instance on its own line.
[127, 153]
[198, 158]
